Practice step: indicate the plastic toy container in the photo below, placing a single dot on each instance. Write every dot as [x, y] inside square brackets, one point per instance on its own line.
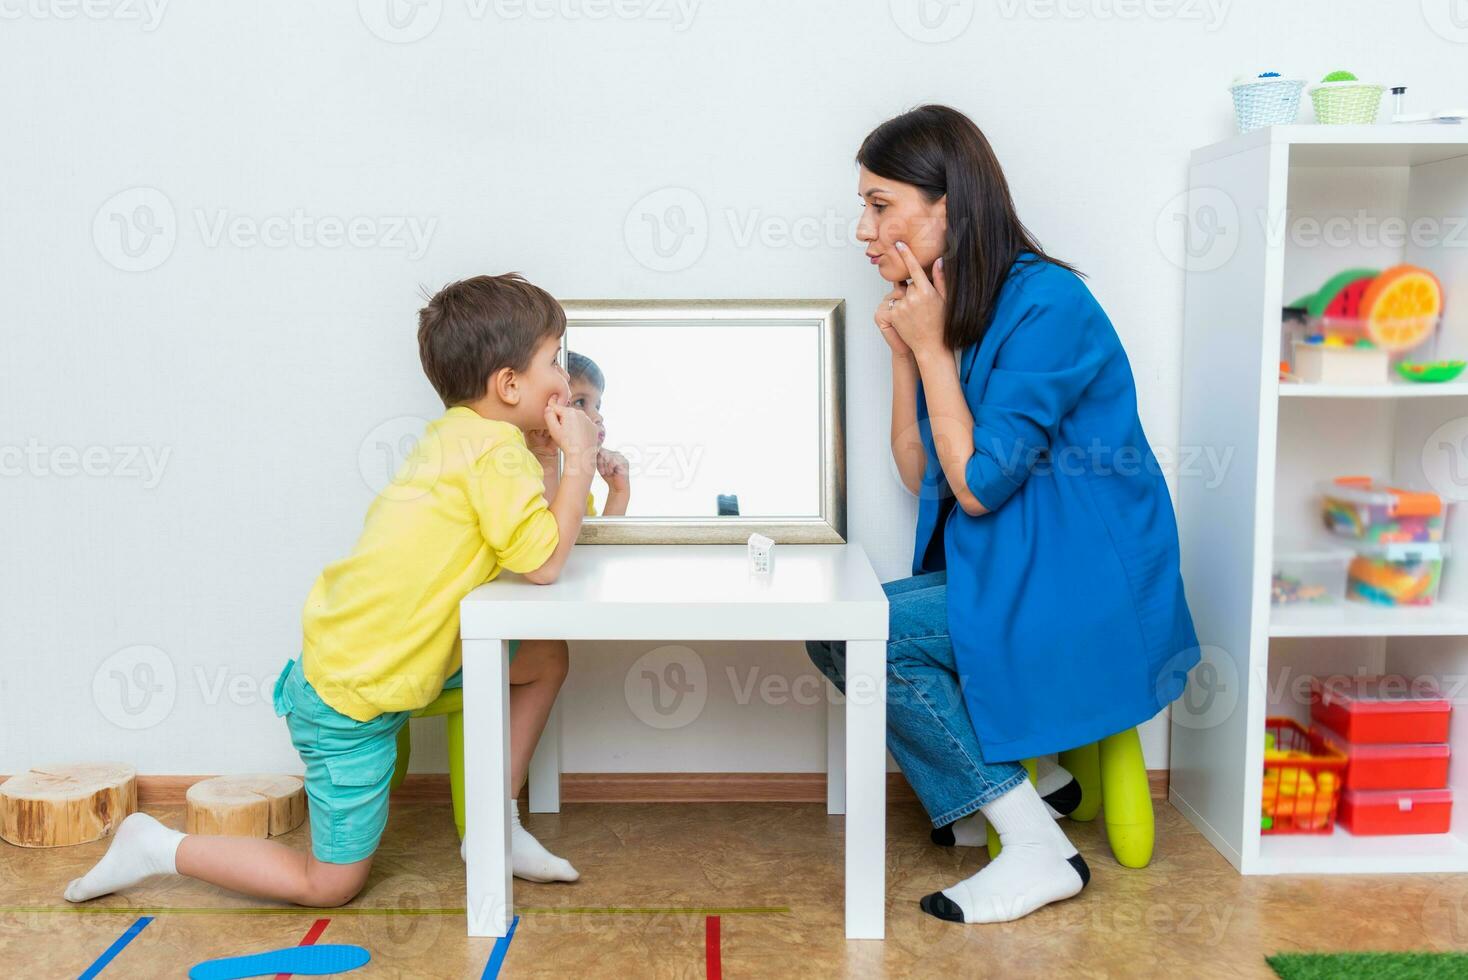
[1396, 811]
[1396, 574]
[1303, 574]
[1355, 507]
[1410, 765]
[1386, 710]
[1302, 780]
[1351, 350]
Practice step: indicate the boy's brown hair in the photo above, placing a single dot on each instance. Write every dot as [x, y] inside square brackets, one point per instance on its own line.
[472, 328]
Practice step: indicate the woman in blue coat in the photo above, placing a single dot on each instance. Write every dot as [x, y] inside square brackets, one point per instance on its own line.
[1045, 610]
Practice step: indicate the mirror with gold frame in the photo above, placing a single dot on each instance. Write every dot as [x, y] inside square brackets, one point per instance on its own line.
[728, 417]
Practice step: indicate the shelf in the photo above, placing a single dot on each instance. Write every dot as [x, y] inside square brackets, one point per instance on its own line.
[1392, 389]
[1382, 145]
[1345, 853]
[1348, 618]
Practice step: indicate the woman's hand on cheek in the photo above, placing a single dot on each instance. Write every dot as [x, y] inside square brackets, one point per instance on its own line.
[918, 315]
[884, 321]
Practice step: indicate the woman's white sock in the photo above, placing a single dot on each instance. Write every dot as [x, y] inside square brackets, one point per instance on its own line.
[1036, 866]
[141, 847]
[528, 859]
[1056, 786]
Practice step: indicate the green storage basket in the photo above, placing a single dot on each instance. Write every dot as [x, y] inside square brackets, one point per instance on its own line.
[1346, 103]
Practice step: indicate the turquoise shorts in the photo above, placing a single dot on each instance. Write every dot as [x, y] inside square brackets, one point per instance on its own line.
[349, 767]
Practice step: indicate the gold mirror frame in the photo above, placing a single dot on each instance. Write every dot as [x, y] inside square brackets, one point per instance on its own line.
[829, 315]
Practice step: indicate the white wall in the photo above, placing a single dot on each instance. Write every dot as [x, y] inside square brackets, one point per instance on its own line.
[509, 136]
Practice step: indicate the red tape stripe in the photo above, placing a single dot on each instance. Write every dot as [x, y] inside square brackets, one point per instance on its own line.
[309, 939]
[712, 966]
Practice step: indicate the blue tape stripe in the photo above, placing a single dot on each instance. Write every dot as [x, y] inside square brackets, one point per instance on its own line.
[116, 947]
[497, 955]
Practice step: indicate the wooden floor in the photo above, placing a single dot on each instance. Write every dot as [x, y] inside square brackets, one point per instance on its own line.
[771, 872]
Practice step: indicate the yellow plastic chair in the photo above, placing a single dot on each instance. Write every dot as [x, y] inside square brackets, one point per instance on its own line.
[450, 704]
[1113, 778]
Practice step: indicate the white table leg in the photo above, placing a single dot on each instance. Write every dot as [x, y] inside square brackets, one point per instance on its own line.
[487, 785]
[835, 751]
[866, 789]
[545, 766]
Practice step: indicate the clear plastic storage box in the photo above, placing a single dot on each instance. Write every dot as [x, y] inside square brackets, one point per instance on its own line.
[1309, 574]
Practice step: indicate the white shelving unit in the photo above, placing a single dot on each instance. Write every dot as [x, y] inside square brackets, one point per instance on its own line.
[1280, 439]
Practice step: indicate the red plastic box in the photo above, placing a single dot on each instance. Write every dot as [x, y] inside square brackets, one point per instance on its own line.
[1409, 765]
[1407, 811]
[1386, 710]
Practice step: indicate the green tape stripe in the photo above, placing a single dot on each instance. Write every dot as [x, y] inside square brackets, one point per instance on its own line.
[204, 910]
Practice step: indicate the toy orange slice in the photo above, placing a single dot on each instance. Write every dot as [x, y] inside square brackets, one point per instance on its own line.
[1401, 307]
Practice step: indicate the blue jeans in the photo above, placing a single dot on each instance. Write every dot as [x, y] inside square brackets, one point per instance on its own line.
[928, 728]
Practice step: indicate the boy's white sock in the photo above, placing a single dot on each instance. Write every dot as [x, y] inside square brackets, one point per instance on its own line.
[140, 848]
[1056, 786]
[1036, 866]
[528, 859]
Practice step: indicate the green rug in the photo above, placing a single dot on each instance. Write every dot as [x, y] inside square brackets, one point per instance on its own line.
[1370, 966]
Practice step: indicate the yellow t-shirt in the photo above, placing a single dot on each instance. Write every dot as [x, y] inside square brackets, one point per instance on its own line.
[382, 625]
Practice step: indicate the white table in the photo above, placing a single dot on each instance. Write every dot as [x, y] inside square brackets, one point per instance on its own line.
[679, 592]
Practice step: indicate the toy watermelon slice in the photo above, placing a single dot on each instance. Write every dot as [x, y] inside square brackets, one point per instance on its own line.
[1432, 373]
[1341, 295]
[1401, 307]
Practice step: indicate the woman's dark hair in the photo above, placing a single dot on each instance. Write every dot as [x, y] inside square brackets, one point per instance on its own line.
[940, 151]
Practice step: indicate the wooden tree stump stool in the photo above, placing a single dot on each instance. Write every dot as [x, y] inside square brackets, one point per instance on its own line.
[59, 805]
[246, 806]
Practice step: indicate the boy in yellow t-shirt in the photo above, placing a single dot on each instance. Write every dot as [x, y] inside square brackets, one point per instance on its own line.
[381, 626]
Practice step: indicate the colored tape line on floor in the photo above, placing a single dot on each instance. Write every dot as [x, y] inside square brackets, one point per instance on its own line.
[712, 959]
[500, 951]
[308, 961]
[309, 939]
[117, 946]
[370, 910]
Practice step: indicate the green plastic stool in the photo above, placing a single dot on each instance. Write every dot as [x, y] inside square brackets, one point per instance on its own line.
[1111, 770]
[450, 704]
